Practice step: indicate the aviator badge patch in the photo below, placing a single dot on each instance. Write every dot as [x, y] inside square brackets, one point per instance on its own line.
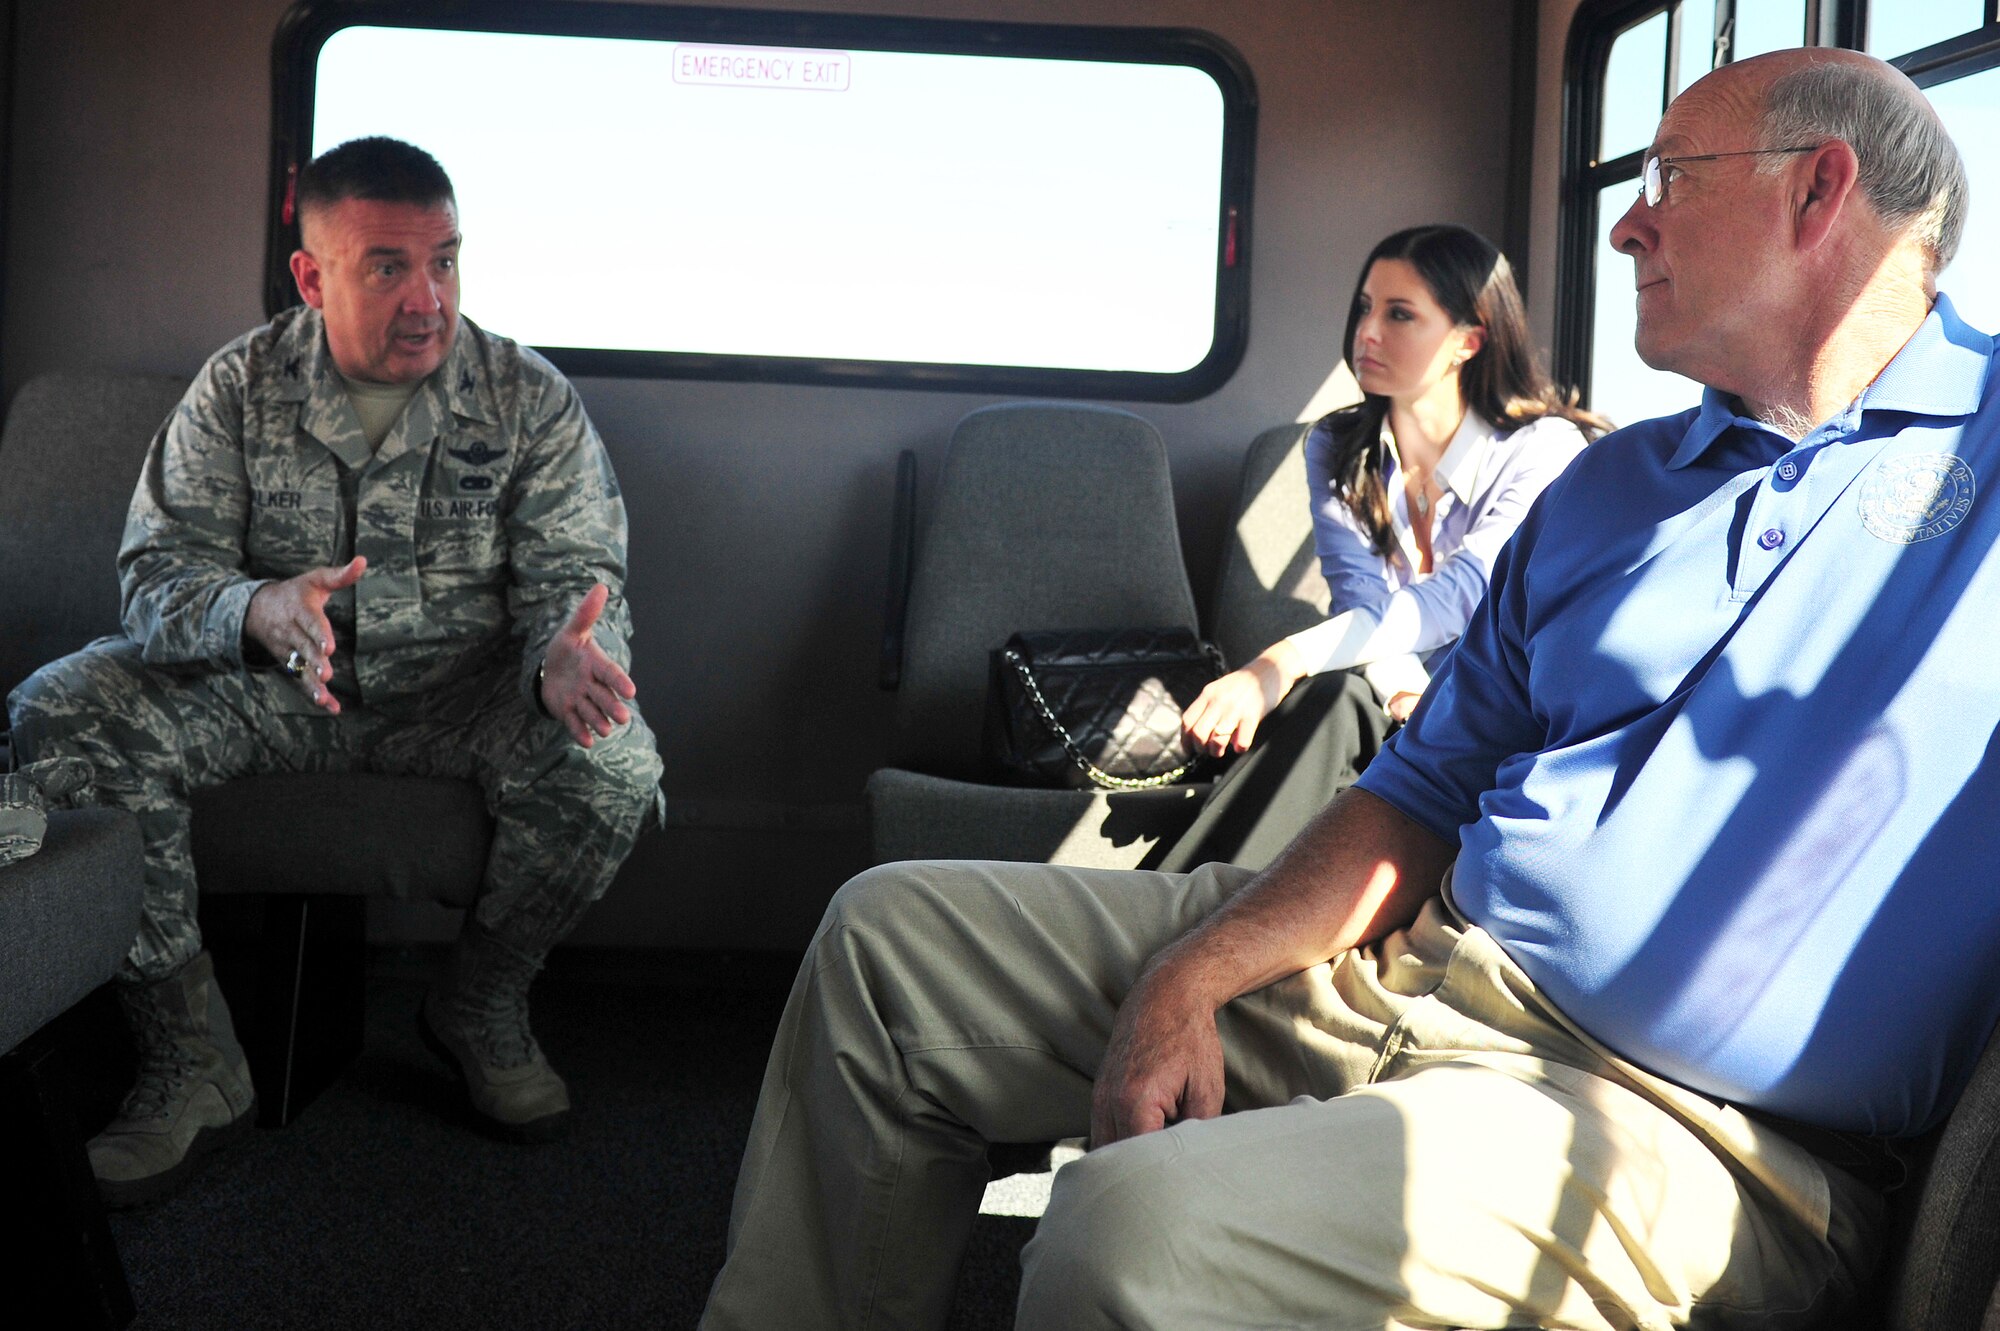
[479, 454]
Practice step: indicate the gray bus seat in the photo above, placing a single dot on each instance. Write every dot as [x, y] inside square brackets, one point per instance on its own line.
[67, 916]
[1046, 516]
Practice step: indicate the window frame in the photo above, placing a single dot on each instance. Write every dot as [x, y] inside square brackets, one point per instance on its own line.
[308, 25]
[1596, 25]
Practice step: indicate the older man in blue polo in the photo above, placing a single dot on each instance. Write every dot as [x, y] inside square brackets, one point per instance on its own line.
[1606, 997]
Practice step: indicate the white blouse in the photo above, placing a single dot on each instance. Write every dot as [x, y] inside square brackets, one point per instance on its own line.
[1386, 614]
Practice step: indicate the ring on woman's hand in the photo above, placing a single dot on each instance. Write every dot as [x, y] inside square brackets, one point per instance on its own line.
[295, 666]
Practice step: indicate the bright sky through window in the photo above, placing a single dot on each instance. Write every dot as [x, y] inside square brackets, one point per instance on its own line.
[830, 204]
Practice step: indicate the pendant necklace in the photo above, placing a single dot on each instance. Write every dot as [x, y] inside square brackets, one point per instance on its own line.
[1423, 504]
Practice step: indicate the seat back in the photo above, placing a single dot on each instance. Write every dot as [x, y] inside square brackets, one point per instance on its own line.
[1270, 585]
[1949, 1267]
[1047, 516]
[69, 456]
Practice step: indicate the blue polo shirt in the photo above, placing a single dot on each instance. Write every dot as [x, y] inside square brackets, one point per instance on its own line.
[1719, 747]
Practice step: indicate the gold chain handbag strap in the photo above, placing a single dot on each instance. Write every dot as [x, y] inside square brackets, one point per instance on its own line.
[1076, 755]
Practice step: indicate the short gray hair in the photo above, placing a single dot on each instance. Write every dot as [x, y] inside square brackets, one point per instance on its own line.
[1909, 167]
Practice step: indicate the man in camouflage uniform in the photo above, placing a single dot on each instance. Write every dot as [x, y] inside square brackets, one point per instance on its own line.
[371, 537]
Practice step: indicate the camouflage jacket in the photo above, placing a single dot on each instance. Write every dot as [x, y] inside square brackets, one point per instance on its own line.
[485, 515]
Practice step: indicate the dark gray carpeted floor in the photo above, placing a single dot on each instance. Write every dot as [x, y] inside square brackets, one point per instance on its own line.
[379, 1208]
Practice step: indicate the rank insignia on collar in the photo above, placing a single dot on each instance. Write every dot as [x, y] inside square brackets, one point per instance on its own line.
[479, 454]
[465, 384]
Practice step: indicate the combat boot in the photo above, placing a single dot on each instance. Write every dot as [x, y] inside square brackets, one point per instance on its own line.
[477, 1022]
[193, 1095]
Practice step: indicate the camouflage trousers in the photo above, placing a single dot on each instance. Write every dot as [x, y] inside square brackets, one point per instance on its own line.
[565, 817]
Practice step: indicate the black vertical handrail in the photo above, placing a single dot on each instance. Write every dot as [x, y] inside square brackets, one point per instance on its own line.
[902, 554]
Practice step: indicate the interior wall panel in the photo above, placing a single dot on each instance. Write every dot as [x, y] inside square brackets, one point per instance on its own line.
[760, 513]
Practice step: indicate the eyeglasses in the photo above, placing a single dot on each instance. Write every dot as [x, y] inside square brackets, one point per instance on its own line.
[1653, 177]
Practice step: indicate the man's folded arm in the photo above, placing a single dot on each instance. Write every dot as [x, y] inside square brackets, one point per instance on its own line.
[1360, 870]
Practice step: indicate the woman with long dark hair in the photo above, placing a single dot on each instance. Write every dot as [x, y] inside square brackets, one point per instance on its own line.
[1414, 490]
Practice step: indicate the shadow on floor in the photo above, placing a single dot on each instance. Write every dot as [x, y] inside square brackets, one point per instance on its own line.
[379, 1208]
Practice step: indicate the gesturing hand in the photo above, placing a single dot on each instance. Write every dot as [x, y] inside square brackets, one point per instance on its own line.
[290, 616]
[581, 686]
[1162, 1064]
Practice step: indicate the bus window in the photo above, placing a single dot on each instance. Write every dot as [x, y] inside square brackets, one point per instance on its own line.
[1971, 111]
[1632, 86]
[1910, 25]
[1766, 25]
[819, 199]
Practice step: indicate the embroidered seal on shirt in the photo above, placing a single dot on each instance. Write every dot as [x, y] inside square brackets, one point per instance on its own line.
[1915, 496]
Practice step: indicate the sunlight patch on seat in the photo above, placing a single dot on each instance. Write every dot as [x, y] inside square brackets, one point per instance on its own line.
[1273, 509]
[1027, 1194]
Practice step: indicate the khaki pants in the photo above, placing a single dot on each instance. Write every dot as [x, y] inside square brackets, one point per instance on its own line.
[564, 816]
[1413, 1137]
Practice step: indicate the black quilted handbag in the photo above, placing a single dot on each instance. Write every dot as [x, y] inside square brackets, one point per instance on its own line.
[1084, 707]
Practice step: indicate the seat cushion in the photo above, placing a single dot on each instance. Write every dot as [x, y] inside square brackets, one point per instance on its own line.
[412, 838]
[913, 816]
[68, 914]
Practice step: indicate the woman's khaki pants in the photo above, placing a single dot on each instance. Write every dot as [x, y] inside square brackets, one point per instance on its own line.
[1412, 1137]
